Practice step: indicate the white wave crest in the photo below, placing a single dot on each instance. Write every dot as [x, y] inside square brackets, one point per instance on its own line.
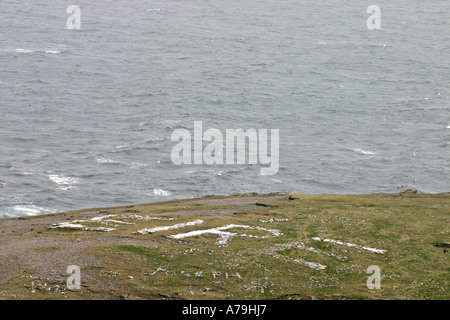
[64, 182]
[24, 210]
[161, 192]
[24, 51]
[104, 160]
[360, 151]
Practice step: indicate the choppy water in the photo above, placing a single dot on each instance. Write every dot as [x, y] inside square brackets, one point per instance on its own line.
[86, 115]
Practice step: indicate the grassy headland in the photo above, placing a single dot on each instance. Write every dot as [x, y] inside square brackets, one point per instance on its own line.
[254, 247]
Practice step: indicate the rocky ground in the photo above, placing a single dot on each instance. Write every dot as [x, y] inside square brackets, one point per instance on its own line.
[275, 246]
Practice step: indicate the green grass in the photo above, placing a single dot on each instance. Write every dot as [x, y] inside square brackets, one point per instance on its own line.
[195, 268]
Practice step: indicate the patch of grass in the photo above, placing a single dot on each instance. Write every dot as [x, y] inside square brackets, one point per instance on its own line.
[48, 249]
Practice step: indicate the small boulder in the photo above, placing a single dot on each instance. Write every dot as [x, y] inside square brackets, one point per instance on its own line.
[294, 196]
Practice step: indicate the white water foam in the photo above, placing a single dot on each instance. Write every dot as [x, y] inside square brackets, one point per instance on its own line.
[24, 51]
[135, 165]
[64, 182]
[105, 160]
[20, 50]
[24, 210]
[161, 192]
[360, 151]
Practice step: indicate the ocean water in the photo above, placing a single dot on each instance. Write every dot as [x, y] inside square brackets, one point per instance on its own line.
[86, 115]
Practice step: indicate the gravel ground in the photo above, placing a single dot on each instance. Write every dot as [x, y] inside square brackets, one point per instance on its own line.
[49, 255]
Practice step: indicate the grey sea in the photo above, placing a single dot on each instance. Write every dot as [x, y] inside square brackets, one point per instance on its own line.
[86, 115]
